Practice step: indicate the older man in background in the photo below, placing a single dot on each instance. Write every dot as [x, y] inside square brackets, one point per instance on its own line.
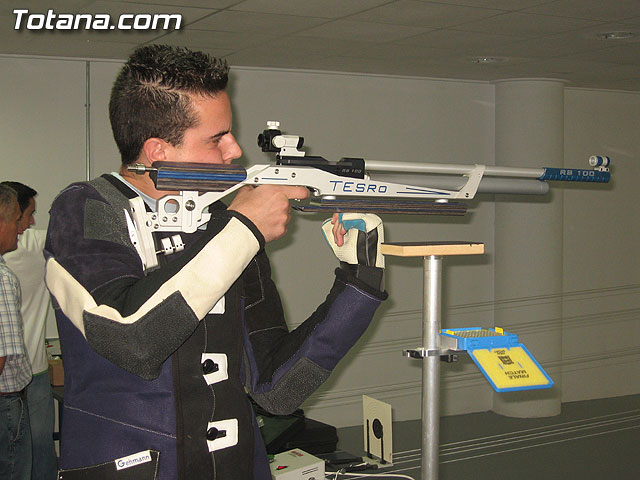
[15, 368]
[27, 262]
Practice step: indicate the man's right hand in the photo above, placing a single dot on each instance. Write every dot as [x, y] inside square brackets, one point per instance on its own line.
[267, 206]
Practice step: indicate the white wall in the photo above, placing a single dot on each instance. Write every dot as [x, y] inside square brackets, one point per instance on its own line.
[42, 129]
[105, 157]
[386, 118]
[601, 336]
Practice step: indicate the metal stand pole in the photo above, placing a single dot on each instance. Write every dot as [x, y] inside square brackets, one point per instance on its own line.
[430, 352]
[431, 367]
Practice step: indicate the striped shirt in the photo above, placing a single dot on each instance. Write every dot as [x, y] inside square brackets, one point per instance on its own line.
[16, 373]
[27, 262]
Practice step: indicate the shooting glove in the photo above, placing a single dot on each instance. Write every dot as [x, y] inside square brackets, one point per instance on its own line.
[360, 252]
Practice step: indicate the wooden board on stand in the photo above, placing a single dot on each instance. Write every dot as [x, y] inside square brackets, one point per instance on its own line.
[425, 249]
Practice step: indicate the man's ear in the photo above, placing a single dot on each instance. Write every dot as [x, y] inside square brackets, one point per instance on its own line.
[155, 149]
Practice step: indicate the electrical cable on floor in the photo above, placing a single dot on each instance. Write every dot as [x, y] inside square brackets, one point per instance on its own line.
[365, 475]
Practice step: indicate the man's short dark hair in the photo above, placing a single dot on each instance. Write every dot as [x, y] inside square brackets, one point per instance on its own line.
[7, 201]
[24, 193]
[150, 97]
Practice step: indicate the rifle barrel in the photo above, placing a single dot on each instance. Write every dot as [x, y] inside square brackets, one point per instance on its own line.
[542, 173]
[452, 169]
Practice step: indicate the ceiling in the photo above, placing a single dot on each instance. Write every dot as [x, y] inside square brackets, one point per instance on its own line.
[441, 39]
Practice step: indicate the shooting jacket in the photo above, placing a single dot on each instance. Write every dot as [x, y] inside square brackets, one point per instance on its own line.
[157, 363]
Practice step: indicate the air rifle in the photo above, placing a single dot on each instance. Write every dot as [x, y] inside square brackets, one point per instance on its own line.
[343, 186]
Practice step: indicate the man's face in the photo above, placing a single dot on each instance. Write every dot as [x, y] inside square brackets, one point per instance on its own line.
[9, 230]
[211, 140]
[26, 220]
